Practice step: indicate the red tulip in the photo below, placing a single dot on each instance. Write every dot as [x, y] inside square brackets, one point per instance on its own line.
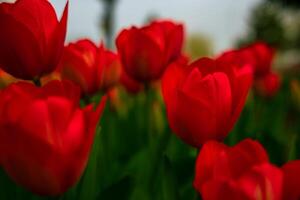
[241, 172]
[145, 52]
[291, 180]
[45, 136]
[92, 68]
[268, 85]
[204, 99]
[239, 57]
[259, 55]
[31, 38]
[264, 55]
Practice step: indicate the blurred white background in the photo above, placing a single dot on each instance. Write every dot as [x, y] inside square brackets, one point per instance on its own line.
[222, 21]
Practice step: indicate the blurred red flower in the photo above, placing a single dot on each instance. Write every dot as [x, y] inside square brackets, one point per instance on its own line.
[291, 172]
[92, 68]
[145, 52]
[263, 55]
[204, 99]
[268, 85]
[31, 38]
[242, 172]
[45, 136]
[259, 56]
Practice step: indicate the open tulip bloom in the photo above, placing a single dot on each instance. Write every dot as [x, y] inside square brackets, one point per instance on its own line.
[53, 95]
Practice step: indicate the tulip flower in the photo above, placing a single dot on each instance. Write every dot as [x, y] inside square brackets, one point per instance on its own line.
[145, 52]
[259, 55]
[268, 85]
[291, 180]
[264, 55]
[92, 68]
[204, 99]
[31, 38]
[45, 137]
[241, 172]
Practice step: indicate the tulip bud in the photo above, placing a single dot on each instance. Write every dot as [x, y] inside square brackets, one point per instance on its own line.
[145, 52]
[92, 68]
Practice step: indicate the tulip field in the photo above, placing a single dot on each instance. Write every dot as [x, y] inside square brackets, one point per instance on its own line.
[142, 120]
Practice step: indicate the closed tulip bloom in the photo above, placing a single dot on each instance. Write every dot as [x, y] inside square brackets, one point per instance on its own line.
[241, 172]
[204, 99]
[145, 52]
[291, 180]
[92, 68]
[31, 38]
[45, 137]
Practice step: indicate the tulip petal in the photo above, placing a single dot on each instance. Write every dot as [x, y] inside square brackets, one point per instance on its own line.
[291, 172]
[171, 81]
[246, 153]
[206, 162]
[55, 43]
[242, 83]
[79, 64]
[262, 182]
[18, 51]
[35, 121]
[205, 65]
[63, 88]
[60, 112]
[222, 190]
[210, 99]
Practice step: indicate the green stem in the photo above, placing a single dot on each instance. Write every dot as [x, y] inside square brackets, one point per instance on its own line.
[157, 143]
[108, 21]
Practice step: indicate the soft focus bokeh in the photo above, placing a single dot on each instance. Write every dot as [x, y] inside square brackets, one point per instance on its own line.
[135, 154]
